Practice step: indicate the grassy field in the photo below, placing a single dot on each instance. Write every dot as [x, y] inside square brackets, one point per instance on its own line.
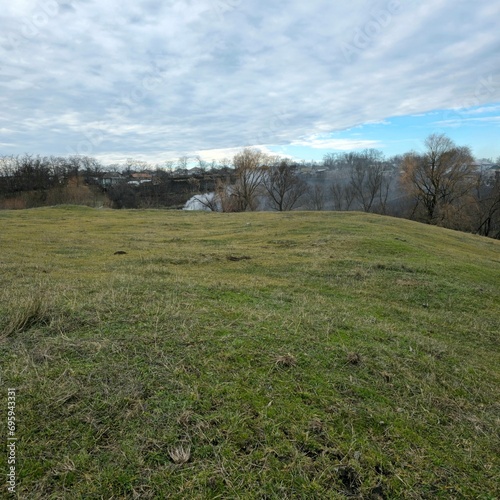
[254, 355]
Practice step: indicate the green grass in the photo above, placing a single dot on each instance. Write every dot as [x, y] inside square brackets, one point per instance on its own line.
[255, 355]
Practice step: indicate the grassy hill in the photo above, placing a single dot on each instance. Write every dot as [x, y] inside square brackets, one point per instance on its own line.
[255, 355]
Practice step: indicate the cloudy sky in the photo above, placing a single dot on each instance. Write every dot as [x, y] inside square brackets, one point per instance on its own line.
[159, 79]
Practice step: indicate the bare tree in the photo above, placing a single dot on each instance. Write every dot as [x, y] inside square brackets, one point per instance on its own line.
[331, 161]
[316, 197]
[439, 178]
[367, 177]
[7, 171]
[202, 164]
[342, 194]
[249, 172]
[211, 201]
[487, 222]
[283, 186]
[182, 163]
[383, 193]
[362, 180]
[222, 199]
[168, 165]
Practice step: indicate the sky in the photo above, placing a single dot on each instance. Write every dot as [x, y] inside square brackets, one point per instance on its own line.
[155, 80]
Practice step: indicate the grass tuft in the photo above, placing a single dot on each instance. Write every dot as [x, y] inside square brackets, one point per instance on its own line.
[353, 358]
[180, 454]
[30, 313]
[285, 361]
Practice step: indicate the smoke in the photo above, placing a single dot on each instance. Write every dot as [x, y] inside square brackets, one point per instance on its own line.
[200, 202]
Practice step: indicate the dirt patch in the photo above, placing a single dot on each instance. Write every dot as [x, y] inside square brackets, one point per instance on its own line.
[235, 258]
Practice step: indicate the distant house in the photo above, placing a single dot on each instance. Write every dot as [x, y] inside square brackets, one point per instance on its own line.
[306, 171]
[180, 172]
[494, 173]
[488, 169]
[196, 171]
[138, 178]
[483, 164]
[111, 179]
[141, 176]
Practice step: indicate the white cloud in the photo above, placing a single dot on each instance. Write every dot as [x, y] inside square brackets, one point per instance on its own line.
[337, 144]
[460, 121]
[480, 110]
[153, 78]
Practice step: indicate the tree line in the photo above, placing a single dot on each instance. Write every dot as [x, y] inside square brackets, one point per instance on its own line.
[442, 185]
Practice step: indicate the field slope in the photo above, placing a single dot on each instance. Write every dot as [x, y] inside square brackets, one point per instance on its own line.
[255, 355]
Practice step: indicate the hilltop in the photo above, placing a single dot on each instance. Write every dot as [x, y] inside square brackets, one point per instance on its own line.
[160, 354]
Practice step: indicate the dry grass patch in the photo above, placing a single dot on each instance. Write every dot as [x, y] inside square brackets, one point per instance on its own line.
[180, 454]
[285, 361]
[353, 358]
[28, 313]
